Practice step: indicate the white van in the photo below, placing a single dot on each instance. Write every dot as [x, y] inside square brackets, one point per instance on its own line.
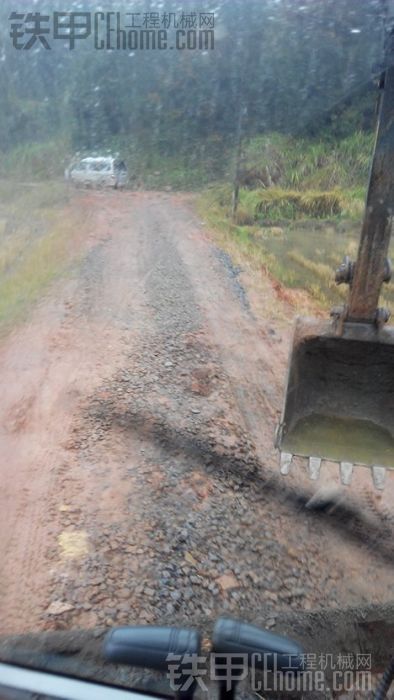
[98, 172]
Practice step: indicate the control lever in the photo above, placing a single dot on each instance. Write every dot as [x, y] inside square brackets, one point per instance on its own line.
[148, 647]
[267, 651]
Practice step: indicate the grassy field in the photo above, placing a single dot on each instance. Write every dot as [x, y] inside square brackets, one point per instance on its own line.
[37, 236]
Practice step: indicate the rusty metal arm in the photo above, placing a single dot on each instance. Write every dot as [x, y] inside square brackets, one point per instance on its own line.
[372, 267]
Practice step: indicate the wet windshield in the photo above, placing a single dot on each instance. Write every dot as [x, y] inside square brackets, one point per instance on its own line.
[179, 182]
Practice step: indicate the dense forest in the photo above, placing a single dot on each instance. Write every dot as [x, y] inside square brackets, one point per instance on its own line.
[300, 67]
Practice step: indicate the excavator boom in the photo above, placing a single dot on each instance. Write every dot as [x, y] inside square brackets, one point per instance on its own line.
[339, 401]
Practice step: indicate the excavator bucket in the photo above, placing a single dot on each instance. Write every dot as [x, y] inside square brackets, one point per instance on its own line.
[339, 401]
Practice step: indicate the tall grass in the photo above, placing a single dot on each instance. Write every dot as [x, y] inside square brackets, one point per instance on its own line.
[309, 164]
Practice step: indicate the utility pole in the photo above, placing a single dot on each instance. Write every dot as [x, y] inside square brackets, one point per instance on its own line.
[238, 159]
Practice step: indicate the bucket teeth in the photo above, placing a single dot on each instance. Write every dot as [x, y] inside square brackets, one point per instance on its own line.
[346, 471]
[285, 462]
[314, 467]
[379, 477]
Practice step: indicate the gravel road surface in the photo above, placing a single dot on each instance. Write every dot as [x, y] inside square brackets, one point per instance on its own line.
[139, 480]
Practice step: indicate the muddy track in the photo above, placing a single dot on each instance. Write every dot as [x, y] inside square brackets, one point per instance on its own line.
[139, 478]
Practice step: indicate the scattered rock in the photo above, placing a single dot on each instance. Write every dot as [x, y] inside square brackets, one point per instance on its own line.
[190, 559]
[227, 582]
[59, 607]
[271, 622]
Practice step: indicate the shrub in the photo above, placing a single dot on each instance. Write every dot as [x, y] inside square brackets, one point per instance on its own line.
[290, 204]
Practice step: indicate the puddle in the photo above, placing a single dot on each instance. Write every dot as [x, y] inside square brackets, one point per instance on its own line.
[341, 439]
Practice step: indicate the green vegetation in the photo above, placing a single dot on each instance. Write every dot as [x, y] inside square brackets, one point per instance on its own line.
[286, 220]
[288, 179]
[208, 161]
[303, 163]
[36, 243]
[278, 203]
[147, 169]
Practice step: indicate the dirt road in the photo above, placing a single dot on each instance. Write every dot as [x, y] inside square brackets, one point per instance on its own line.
[139, 482]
